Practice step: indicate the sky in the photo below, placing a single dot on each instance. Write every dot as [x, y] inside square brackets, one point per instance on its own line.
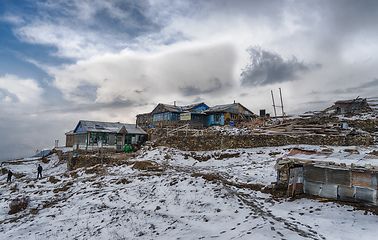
[62, 61]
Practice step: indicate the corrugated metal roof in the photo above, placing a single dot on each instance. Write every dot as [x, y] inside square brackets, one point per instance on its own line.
[225, 107]
[192, 106]
[171, 108]
[109, 127]
[175, 108]
[336, 157]
[220, 108]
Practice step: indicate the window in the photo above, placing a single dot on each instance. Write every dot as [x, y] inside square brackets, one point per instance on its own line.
[128, 139]
[195, 117]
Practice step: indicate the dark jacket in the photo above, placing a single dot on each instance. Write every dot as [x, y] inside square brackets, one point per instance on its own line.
[40, 168]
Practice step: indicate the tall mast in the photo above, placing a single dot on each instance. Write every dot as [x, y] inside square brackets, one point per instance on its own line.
[282, 106]
[274, 105]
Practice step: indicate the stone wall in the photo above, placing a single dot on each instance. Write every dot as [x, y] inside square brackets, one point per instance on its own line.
[217, 141]
[368, 125]
[74, 162]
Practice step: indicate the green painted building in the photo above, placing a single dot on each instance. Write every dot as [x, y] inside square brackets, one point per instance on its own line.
[90, 135]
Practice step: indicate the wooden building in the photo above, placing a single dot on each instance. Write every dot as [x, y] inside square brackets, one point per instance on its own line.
[173, 115]
[196, 115]
[228, 114]
[351, 106]
[90, 135]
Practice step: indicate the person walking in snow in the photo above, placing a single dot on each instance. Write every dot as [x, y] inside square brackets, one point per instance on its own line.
[9, 179]
[39, 171]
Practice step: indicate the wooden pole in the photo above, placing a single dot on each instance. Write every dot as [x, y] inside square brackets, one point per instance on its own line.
[274, 105]
[288, 180]
[295, 181]
[282, 106]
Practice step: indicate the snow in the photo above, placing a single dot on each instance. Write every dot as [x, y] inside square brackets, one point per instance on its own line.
[350, 156]
[360, 116]
[117, 202]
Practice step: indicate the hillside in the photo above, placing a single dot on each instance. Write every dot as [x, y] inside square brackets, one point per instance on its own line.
[185, 195]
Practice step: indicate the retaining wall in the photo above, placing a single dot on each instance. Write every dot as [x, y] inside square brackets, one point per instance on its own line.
[216, 141]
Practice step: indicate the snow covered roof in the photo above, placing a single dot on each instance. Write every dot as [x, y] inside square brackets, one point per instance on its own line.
[108, 127]
[229, 108]
[175, 108]
[347, 159]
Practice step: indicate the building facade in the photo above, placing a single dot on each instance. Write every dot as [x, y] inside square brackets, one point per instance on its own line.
[173, 115]
[196, 115]
[90, 135]
[351, 106]
[228, 114]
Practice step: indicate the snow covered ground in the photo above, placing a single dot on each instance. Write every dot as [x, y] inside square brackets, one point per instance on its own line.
[190, 199]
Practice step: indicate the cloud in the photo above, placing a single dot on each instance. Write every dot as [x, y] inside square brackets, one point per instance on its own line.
[134, 76]
[269, 68]
[371, 84]
[192, 90]
[356, 90]
[19, 100]
[11, 18]
[110, 60]
[21, 92]
[352, 17]
[82, 29]
[69, 43]
[6, 96]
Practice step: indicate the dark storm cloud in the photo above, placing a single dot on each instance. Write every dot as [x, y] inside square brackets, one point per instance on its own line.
[192, 90]
[269, 68]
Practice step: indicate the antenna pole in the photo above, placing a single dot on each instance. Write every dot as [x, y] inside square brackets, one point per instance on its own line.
[274, 106]
[282, 106]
